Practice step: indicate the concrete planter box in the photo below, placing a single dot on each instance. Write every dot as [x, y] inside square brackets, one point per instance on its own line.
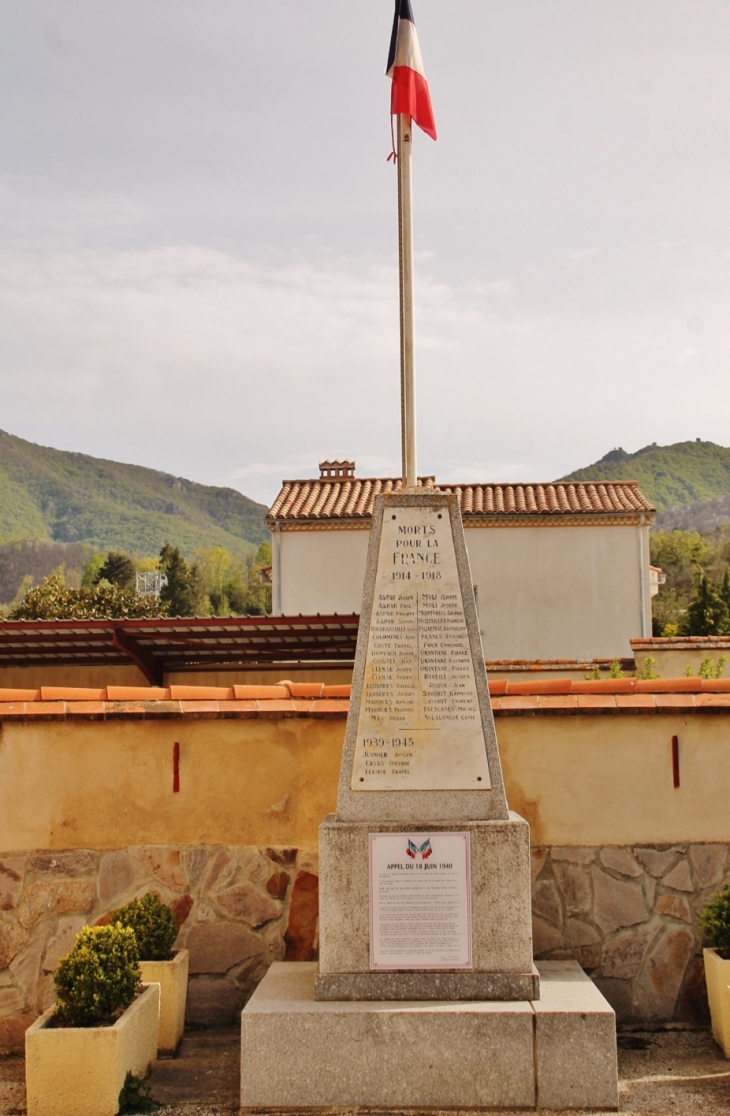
[172, 977]
[717, 975]
[80, 1071]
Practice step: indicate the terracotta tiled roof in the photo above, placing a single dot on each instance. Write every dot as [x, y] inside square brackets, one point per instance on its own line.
[552, 697]
[353, 498]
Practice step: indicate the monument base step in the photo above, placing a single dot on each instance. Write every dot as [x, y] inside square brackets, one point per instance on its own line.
[555, 1052]
[428, 986]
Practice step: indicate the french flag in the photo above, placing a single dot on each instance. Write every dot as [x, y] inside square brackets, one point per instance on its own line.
[409, 92]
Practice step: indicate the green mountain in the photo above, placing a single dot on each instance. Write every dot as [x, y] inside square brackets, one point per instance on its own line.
[72, 498]
[669, 476]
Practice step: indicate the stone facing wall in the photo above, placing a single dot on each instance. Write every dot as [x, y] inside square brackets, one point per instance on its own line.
[629, 915]
[238, 909]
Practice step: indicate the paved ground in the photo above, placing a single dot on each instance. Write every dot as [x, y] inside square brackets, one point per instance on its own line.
[675, 1072]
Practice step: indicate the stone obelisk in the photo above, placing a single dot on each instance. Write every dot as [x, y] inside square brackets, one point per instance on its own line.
[424, 874]
[425, 995]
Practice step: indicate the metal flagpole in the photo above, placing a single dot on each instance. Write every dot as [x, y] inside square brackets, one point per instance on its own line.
[405, 254]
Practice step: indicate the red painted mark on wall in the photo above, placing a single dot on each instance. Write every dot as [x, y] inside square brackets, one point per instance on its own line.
[675, 760]
[175, 767]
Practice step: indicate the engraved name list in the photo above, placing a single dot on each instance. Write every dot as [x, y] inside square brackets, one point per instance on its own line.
[419, 726]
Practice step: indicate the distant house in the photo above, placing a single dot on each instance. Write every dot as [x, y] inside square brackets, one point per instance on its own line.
[657, 577]
[560, 570]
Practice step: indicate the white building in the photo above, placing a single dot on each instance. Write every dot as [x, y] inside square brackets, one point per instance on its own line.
[561, 570]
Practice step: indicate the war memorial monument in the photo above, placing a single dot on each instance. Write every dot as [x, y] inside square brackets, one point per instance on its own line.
[425, 994]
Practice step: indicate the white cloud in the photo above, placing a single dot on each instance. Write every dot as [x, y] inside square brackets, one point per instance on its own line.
[238, 370]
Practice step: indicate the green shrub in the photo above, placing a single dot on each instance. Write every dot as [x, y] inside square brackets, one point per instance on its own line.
[648, 673]
[136, 1096]
[711, 669]
[99, 977]
[154, 926]
[715, 921]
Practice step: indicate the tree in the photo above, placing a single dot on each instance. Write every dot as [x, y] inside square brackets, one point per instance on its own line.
[90, 571]
[707, 613]
[118, 569]
[184, 594]
[263, 554]
[216, 565]
[679, 553]
[248, 593]
[235, 587]
[725, 588]
[53, 600]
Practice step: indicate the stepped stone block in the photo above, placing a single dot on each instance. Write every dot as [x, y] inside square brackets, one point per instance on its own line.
[300, 1053]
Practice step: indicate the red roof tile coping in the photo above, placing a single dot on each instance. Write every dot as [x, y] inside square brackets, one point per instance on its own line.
[200, 706]
[541, 686]
[331, 705]
[635, 702]
[712, 701]
[605, 686]
[264, 693]
[560, 696]
[558, 701]
[596, 701]
[673, 701]
[716, 685]
[45, 708]
[519, 701]
[71, 693]
[304, 689]
[137, 693]
[201, 693]
[241, 706]
[669, 685]
[95, 709]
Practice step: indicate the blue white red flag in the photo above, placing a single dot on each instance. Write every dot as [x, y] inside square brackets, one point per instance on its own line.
[409, 90]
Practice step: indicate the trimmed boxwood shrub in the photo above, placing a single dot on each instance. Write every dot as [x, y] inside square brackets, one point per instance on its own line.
[715, 921]
[153, 924]
[98, 978]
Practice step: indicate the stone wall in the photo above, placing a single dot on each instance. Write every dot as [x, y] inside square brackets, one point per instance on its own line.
[238, 909]
[629, 914]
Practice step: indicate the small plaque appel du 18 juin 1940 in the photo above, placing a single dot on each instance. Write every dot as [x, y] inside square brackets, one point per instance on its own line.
[420, 901]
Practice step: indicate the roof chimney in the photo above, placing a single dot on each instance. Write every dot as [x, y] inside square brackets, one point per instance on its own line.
[336, 470]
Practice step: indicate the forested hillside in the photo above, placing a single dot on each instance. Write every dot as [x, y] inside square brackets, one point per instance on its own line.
[670, 476]
[73, 498]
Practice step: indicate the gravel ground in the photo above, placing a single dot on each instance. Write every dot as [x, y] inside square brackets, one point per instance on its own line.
[680, 1072]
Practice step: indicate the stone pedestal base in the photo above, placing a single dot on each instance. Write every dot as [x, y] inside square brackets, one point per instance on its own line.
[500, 906]
[300, 1053]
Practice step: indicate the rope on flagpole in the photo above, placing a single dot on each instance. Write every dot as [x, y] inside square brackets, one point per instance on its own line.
[393, 153]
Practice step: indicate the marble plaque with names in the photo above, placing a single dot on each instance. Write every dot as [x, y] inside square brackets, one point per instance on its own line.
[420, 901]
[419, 725]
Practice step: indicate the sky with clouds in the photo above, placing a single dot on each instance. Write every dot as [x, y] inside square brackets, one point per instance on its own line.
[198, 234]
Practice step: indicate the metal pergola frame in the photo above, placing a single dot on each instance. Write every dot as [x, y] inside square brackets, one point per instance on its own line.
[157, 646]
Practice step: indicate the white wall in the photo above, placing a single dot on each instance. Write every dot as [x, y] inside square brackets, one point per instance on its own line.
[322, 571]
[543, 592]
[557, 592]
